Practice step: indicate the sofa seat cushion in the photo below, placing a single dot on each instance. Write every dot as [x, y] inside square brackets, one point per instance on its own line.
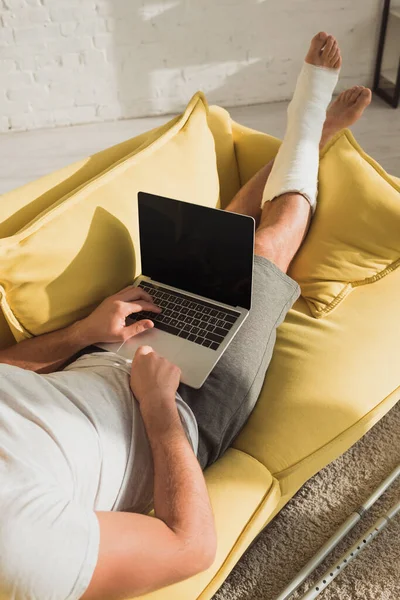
[85, 246]
[243, 495]
[328, 382]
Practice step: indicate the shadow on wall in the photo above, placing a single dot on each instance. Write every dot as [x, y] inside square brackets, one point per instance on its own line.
[236, 51]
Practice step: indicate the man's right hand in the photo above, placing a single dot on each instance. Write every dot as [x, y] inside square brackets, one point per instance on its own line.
[154, 382]
[181, 540]
[107, 323]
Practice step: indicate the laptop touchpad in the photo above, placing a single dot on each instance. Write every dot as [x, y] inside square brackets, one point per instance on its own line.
[163, 343]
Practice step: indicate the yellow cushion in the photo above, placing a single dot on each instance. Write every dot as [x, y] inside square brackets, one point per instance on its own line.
[84, 246]
[354, 237]
[253, 150]
[220, 123]
[328, 382]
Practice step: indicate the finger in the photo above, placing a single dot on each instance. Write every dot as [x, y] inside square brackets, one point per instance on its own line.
[137, 328]
[133, 293]
[128, 287]
[143, 350]
[134, 307]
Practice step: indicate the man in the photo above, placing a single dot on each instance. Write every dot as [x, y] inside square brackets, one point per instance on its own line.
[82, 459]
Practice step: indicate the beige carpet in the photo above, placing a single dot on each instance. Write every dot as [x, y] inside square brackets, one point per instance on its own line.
[313, 515]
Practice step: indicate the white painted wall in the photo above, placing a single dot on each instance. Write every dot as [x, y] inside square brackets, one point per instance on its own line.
[75, 61]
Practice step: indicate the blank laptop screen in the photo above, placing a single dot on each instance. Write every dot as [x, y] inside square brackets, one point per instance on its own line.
[202, 250]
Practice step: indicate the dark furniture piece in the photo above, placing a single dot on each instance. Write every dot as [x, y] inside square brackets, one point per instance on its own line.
[387, 85]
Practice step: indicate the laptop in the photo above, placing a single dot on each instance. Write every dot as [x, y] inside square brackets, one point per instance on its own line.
[197, 264]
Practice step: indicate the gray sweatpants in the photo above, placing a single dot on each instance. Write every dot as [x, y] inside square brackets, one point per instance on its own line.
[224, 403]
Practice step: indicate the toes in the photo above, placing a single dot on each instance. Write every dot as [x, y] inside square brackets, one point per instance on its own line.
[321, 38]
[319, 41]
[338, 62]
[362, 99]
[329, 43]
[330, 53]
[334, 50]
[347, 95]
[365, 96]
[355, 92]
[335, 57]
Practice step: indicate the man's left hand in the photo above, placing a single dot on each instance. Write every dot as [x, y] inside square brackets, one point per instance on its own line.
[107, 323]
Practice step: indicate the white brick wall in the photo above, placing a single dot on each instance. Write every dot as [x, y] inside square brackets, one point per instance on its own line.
[74, 61]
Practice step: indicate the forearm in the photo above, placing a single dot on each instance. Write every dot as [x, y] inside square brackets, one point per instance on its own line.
[47, 352]
[107, 323]
[180, 494]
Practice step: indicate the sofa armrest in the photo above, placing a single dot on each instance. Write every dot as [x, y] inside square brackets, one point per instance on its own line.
[243, 496]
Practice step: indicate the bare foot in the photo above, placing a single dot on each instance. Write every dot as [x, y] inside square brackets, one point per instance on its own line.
[324, 52]
[345, 111]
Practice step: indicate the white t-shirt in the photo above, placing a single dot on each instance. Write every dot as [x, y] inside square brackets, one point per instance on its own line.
[71, 442]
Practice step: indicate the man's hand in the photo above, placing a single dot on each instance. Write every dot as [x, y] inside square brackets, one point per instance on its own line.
[49, 352]
[107, 322]
[180, 541]
[154, 381]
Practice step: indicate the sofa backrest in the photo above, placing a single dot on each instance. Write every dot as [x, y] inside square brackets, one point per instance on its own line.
[70, 239]
[220, 124]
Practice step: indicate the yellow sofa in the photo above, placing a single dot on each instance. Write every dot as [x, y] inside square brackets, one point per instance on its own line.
[331, 379]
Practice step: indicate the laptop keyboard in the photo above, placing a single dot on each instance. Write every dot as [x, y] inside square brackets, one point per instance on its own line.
[192, 319]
